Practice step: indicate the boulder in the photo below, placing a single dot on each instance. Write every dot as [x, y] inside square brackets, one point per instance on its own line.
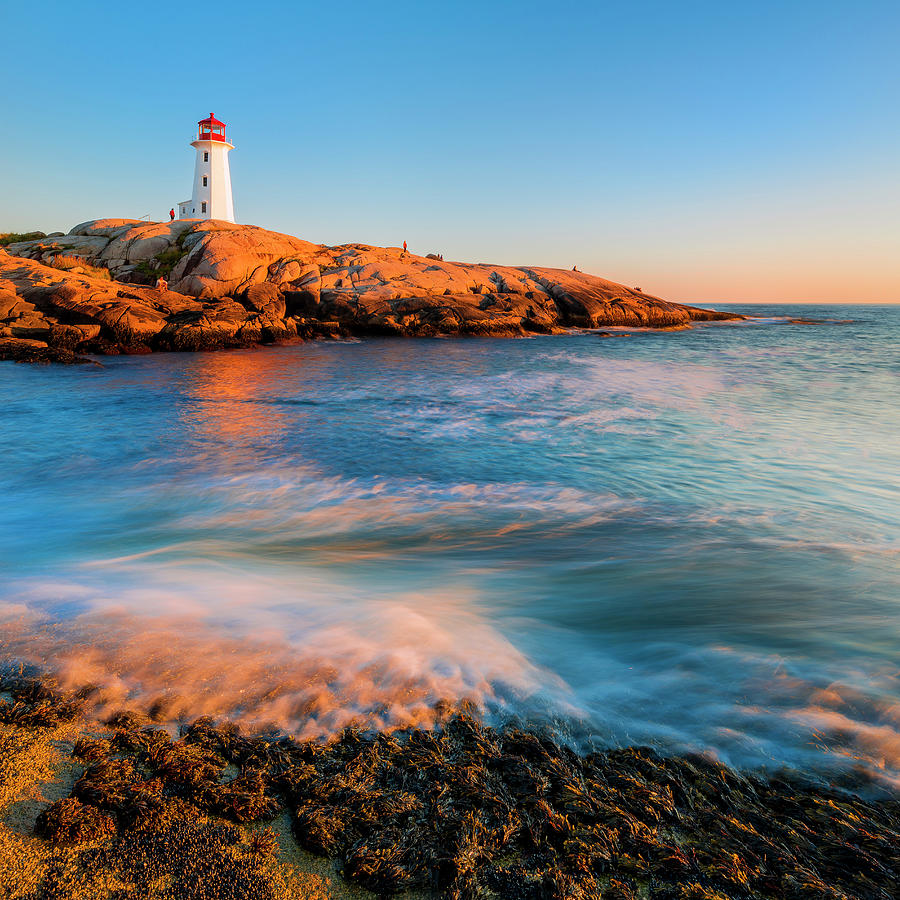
[70, 336]
[265, 298]
[131, 323]
[225, 261]
[144, 242]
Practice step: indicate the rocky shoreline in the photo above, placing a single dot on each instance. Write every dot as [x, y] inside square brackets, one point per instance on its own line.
[460, 811]
[93, 291]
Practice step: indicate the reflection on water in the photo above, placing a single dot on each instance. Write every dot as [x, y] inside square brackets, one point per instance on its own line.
[688, 539]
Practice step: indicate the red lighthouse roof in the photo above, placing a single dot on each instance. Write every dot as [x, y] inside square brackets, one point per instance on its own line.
[212, 120]
[211, 129]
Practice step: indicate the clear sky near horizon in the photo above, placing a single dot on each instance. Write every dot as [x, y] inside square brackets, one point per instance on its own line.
[703, 151]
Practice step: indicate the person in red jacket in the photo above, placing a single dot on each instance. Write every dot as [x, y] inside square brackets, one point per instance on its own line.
[404, 246]
[172, 214]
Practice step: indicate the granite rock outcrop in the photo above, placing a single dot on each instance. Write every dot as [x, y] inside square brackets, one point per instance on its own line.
[235, 285]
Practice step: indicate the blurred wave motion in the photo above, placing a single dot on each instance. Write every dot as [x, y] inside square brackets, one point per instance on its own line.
[689, 539]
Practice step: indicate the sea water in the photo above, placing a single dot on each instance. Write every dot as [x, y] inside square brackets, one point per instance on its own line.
[687, 539]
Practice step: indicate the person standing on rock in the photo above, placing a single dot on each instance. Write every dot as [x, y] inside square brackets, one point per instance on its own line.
[404, 247]
[162, 284]
[172, 214]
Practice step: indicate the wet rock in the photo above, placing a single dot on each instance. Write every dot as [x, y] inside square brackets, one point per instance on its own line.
[33, 351]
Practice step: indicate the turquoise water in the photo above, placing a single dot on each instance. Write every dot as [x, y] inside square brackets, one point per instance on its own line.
[683, 538]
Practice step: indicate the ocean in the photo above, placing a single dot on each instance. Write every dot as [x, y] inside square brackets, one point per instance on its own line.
[687, 539]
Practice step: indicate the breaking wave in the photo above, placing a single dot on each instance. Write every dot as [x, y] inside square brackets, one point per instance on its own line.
[688, 540]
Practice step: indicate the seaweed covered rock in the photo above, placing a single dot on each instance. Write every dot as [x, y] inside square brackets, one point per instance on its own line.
[466, 810]
[69, 821]
[243, 799]
[36, 703]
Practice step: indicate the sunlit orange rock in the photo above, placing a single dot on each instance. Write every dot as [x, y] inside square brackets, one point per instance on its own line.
[235, 285]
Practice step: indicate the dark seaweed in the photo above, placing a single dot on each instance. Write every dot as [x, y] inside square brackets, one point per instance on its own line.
[467, 811]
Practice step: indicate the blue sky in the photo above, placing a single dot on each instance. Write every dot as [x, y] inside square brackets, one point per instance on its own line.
[704, 151]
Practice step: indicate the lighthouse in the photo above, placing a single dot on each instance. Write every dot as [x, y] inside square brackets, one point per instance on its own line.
[211, 198]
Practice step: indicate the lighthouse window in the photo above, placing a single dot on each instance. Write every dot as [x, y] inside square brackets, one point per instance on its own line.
[203, 206]
[204, 181]
[206, 156]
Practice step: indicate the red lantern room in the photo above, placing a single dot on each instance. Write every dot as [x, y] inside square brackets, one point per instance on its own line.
[211, 129]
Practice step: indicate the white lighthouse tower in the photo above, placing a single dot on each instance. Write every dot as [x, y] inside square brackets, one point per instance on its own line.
[211, 198]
